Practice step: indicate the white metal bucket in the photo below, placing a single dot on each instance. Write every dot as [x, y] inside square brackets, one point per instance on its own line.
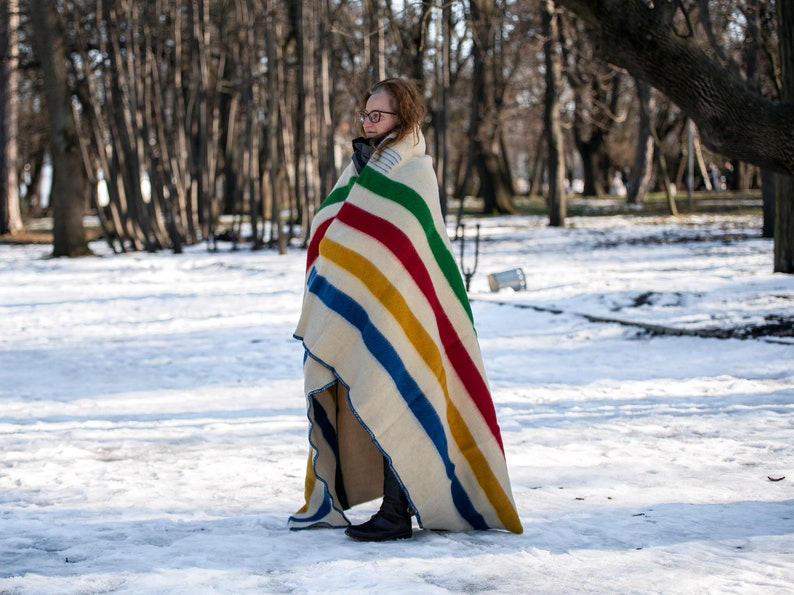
[513, 278]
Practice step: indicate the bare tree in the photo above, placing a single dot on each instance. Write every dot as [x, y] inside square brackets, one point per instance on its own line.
[275, 91]
[484, 121]
[374, 40]
[10, 216]
[641, 38]
[441, 100]
[69, 186]
[642, 169]
[733, 118]
[596, 91]
[555, 197]
[189, 97]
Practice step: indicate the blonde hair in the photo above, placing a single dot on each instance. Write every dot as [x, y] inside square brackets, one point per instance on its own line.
[406, 101]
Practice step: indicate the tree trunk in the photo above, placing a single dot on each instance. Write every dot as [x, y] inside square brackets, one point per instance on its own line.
[69, 186]
[704, 172]
[555, 199]
[669, 188]
[768, 202]
[440, 119]
[659, 152]
[784, 230]
[374, 42]
[302, 124]
[10, 216]
[273, 120]
[590, 152]
[420, 35]
[124, 167]
[326, 165]
[784, 184]
[642, 171]
[484, 122]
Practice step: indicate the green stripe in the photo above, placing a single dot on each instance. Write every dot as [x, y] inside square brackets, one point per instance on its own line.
[339, 194]
[408, 198]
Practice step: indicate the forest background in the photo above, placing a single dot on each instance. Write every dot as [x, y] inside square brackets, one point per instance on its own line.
[179, 122]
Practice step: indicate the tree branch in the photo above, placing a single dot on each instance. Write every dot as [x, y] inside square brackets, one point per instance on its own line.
[733, 119]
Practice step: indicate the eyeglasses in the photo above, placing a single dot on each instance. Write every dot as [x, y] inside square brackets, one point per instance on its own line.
[374, 116]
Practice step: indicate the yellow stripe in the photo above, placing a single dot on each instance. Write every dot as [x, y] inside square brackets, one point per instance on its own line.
[308, 484]
[395, 303]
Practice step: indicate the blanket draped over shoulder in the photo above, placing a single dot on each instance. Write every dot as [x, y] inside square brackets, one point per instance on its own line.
[392, 364]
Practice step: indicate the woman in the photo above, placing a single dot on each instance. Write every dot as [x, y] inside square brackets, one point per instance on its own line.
[398, 402]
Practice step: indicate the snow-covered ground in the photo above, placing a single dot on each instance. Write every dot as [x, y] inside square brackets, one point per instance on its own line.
[153, 437]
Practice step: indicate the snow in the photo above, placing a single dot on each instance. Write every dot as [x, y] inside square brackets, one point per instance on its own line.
[153, 435]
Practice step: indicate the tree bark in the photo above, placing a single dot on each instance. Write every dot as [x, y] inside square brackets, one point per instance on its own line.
[768, 203]
[484, 119]
[642, 170]
[555, 198]
[784, 182]
[10, 215]
[273, 120]
[440, 118]
[69, 186]
[659, 153]
[374, 42]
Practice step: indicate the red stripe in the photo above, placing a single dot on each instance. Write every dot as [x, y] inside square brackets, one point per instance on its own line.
[403, 249]
[314, 243]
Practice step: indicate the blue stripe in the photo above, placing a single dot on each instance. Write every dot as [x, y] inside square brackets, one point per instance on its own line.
[329, 435]
[324, 510]
[383, 351]
[326, 427]
[386, 160]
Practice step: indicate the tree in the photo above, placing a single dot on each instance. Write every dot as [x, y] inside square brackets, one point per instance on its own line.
[641, 38]
[642, 170]
[784, 181]
[10, 217]
[596, 91]
[555, 198]
[69, 183]
[733, 118]
[485, 136]
[752, 54]
[222, 120]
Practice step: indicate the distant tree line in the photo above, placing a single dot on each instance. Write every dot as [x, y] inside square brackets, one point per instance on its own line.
[161, 116]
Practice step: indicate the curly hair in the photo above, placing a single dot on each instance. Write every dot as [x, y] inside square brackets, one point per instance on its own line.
[406, 101]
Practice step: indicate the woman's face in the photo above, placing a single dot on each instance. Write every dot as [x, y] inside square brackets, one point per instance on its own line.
[379, 102]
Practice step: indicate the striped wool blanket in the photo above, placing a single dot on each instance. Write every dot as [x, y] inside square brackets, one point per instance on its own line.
[392, 364]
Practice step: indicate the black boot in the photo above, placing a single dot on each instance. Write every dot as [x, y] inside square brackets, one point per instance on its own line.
[393, 520]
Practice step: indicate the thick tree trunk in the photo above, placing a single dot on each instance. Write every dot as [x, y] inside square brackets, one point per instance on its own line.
[590, 152]
[483, 119]
[784, 183]
[69, 187]
[555, 198]
[768, 202]
[784, 230]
